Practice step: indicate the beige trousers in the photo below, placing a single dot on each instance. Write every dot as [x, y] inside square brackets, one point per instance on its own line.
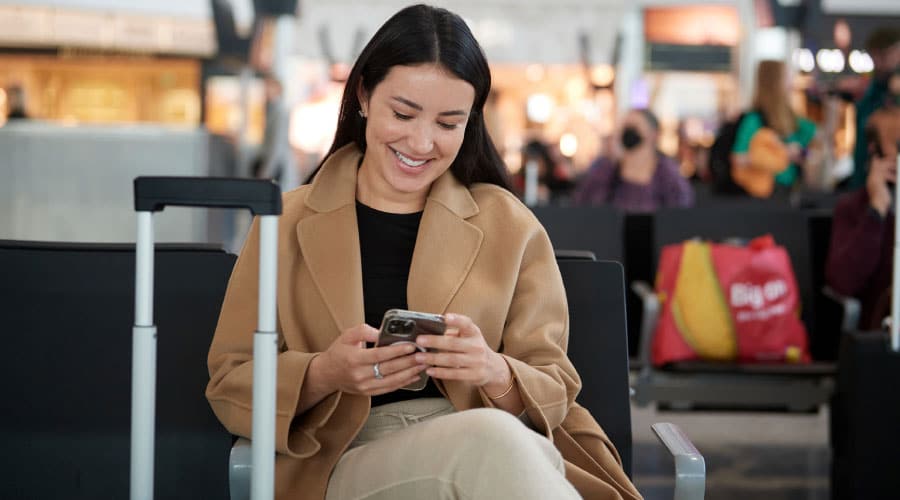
[422, 449]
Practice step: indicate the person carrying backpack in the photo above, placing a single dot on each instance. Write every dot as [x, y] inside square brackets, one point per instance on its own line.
[770, 142]
[719, 162]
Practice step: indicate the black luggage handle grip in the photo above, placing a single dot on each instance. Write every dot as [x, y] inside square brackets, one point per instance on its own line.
[261, 197]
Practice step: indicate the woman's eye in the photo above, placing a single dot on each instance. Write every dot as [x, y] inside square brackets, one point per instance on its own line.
[448, 126]
[402, 117]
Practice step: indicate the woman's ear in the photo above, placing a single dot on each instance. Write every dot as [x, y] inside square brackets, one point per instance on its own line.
[363, 98]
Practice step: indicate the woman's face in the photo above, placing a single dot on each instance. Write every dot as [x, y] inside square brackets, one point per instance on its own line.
[416, 121]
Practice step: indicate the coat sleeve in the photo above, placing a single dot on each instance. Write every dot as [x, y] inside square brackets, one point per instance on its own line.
[230, 365]
[536, 336]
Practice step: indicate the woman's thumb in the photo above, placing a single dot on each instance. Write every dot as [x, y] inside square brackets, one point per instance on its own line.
[360, 334]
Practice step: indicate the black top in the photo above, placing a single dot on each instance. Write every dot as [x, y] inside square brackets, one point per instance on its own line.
[386, 244]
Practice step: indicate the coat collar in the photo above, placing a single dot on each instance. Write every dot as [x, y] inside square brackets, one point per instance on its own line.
[445, 249]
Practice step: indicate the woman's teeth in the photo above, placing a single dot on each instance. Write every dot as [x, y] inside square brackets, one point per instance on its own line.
[408, 161]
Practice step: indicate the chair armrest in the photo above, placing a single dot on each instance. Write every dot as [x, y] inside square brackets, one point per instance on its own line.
[690, 468]
[649, 317]
[851, 307]
[240, 468]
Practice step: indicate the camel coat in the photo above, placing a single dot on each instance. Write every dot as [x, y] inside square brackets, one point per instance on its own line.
[479, 252]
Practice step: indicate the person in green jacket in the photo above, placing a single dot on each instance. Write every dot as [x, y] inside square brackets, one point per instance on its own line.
[772, 109]
[884, 47]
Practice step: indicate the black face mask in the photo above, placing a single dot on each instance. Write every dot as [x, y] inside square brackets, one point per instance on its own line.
[631, 138]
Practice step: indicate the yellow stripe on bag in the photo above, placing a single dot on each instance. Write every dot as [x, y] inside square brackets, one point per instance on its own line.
[699, 307]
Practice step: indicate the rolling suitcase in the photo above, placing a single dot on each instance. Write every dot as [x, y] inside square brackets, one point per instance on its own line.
[263, 199]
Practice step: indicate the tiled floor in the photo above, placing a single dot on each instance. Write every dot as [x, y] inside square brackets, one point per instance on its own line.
[748, 455]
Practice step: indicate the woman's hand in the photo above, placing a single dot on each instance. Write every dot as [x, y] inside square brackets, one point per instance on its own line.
[464, 355]
[795, 153]
[881, 172]
[347, 365]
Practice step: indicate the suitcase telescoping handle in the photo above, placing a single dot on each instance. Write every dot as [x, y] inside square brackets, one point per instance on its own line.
[262, 198]
[152, 194]
[895, 291]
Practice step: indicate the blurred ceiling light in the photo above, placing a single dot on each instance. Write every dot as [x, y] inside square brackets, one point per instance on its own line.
[771, 43]
[534, 72]
[575, 89]
[861, 62]
[830, 60]
[804, 60]
[602, 75]
[568, 145]
[539, 108]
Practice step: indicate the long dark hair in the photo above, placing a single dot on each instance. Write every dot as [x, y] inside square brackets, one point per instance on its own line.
[417, 35]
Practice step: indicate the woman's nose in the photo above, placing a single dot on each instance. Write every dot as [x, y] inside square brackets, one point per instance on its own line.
[421, 140]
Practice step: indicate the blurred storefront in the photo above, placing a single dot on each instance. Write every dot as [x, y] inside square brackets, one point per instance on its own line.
[104, 61]
[78, 86]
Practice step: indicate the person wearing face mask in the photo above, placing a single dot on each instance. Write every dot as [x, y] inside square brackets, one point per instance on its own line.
[639, 178]
[883, 45]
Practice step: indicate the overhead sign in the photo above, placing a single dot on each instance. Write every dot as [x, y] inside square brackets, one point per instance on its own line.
[43, 26]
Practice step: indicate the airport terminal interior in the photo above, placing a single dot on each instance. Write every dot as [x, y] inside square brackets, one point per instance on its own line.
[732, 163]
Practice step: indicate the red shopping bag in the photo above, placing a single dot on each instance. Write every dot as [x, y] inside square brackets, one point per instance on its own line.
[728, 303]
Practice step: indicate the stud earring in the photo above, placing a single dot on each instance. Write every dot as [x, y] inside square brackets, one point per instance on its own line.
[361, 114]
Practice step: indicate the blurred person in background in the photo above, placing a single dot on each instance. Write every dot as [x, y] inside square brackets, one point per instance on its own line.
[638, 177]
[277, 161]
[883, 45]
[860, 255]
[15, 103]
[883, 126]
[411, 209]
[553, 177]
[771, 141]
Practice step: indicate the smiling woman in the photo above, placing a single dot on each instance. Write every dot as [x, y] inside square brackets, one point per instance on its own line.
[409, 145]
[410, 209]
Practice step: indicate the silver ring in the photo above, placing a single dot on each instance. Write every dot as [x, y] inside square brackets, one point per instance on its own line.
[377, 371]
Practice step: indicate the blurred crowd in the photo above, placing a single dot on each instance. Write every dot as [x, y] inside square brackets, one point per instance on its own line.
[769, 151]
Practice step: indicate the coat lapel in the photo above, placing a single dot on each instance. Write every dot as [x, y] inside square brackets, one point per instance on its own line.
[330, 246]
[329, 239]
[446, 247]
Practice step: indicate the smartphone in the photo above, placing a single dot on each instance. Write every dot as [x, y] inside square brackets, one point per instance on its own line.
[400, 325]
